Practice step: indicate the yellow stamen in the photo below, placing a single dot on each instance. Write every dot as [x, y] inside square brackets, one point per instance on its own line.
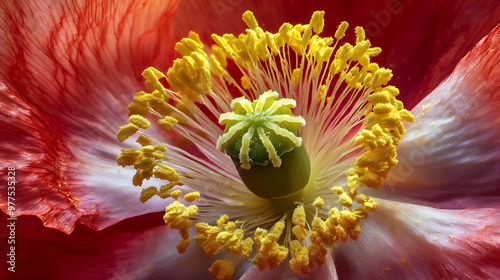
[167, 122]
[182, 246]
[223, 270]
[293, 69]
[177, 217]
[192, 196]
[126, 131]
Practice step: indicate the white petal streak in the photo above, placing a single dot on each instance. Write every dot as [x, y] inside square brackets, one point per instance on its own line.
[325, 271]
[404, 241]
[450, 156]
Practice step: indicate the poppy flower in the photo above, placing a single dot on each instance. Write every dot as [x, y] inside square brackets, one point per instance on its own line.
[68, 72]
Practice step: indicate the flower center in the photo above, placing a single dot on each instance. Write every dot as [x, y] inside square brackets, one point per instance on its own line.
[262, 132]
[306, 185]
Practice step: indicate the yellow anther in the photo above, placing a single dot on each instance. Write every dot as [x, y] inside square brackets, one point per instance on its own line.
[216, 67]
[164, 193]
[379, 97]
[372, 67]
[345, 52]
[360, 34]
[166, 172]
[152, 83]
[345, 200]
[299, 220]
[142, 96]
[373, 51]
[166, 190]
[381, 77]
[299, 216]
[222, 269]
[318, 202]
[191, 76]
[284, 35]
[361, 199]
[139, 121]
[138, 108]
[182, 246]
[261, 49]
[250, 20]
[223, 46]
[360, 49]
[206, 237]
[222, 220]
[306, 38]
[364, 60]
[343, 55]
[299, 263]
[211, 238]
[143, 140]
[232, 239]
[140, 176]
[194, 36]
[182, 48]
[159, 148]
[271, 43]
[192, 196]
[317, 254]
[300, 28]
[295, 76]
[175, 194]
[340, 33]
[300, 232]
[167, 122]
[247, 247]
[148, 149]
[145, 163]
[296, 40]
[191, 45]
[245, 83]
[148, 193]
[128, 157]
[382, 108]
[337, 190]
[317, 21]
[177, 217]
[220, 55]
[270, 253]
[126, 131]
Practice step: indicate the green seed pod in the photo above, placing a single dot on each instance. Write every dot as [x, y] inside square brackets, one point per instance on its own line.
[262, 132]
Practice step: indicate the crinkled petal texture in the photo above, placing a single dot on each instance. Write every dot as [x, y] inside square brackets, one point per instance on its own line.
[450, 159]
[141, 248]
[66, 68]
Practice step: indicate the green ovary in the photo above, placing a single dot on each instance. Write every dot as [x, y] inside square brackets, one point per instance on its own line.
[262, 132]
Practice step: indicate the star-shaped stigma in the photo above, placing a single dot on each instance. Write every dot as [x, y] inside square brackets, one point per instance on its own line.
[261, 131]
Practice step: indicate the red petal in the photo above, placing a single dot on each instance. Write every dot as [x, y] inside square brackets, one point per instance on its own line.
[67, 72]
[450, 156]
[403, 241]
[138, 248]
